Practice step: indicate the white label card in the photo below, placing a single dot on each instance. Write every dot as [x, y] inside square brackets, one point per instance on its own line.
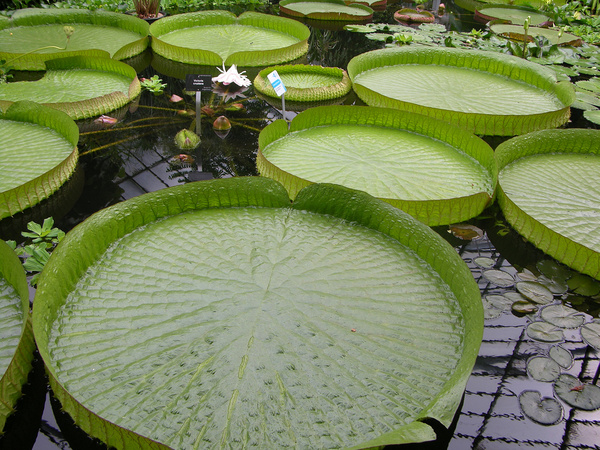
[276, 82]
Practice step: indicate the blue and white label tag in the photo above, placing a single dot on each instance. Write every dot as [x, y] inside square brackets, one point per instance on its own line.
[276, 82]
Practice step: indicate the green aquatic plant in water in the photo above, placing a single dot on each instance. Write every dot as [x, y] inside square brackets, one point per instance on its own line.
[41, 241]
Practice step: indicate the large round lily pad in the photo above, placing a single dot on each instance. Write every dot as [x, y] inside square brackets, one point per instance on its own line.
[80, 86]
[217, 37]
[16, 337]
[485, 92]
[47, 140]
[510, 13]
[554, 35]
[326, 10]
[337, 321]
[306, 83]
[549, 190]
[31, 36]
[438, 173]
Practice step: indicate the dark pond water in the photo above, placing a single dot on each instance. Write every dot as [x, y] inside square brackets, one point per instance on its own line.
[138, 155]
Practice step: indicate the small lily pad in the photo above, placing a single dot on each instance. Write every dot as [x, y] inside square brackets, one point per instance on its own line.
[554, 270]
[577, 394]
[534, 291]
[544, 332]
[562, 316]
[545, 411]
[542, 368]
[466, 232]
[484, 262]
[562, 356]
[592, 85]
[555, 286]
[524, 307]
[526, 275]
[499, 277]
[495, 305]
[592, 116]
[584, 285]
[590, 333]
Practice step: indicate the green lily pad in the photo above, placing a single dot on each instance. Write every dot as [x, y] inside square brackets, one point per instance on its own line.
[577, 394]
[306, 83]
[93, 33]
[47, 140]
[554, 35]
[16, 337]
[534, 291]
[557, 287]
[400, 158]
[542, 410]
[214, 38]
[591, 85]
[554, 270]
[562, 356]
[583, 285]
[592, 116]
[499, 277]
[562, 316]
[524, 307]
[484, 262]
[590, 333]
[485, 92]
[495, 305]
[274, 322]
[544, 332]
[413, 15]
[326, 10]
[512, 14]
[543, 198]
[80, 86]
[542, 368]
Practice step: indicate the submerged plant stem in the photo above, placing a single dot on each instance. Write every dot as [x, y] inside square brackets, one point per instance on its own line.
[120, 141]
[127, 128]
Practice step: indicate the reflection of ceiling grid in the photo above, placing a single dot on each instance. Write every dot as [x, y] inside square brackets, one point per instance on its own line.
[490, 417]
[147, 172]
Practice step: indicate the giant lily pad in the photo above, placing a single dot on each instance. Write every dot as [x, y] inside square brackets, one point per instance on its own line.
[436, 172]
[30, 37]
[510, 13]
[217, 37]
[337, 321]
[81, 86]
[550, 193]
[47, 141]
[306, 83]
[554, 35]
[16, 342]
[326, 10]
[485, 92]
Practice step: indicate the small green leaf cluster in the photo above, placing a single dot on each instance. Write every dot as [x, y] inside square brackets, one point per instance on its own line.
[42, 240]
[154, 85]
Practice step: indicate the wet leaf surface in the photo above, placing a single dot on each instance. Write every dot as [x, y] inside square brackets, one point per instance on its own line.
[562, 356]
[534, 291]
[590, 332]
[541, 368]
[545, 332]
[562, 316]
[579, 395]
[545, 411]
[499, 278]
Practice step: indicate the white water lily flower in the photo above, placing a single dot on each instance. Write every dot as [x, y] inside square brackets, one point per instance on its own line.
[232, 76]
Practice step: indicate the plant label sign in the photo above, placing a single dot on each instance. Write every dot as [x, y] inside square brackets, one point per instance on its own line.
[198, 83]
[276, 82]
